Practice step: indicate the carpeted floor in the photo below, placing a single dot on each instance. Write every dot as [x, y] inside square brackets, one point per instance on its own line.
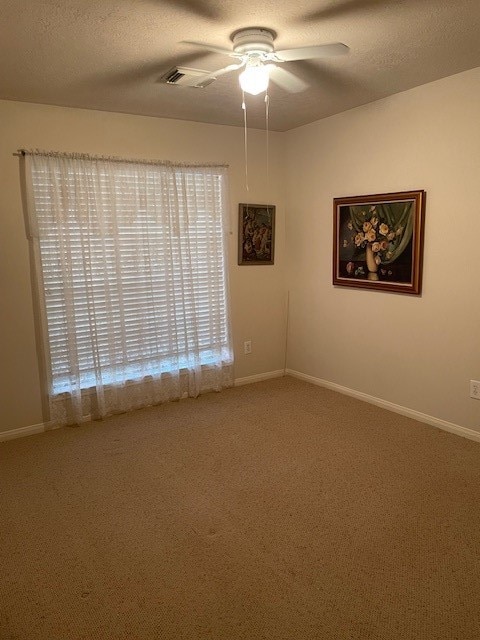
[275, 511]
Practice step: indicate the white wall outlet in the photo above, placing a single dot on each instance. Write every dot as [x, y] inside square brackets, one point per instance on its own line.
[247, 347]
[475, 389]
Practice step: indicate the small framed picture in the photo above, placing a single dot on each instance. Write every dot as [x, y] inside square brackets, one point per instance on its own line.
[256, 233]
[378, 241]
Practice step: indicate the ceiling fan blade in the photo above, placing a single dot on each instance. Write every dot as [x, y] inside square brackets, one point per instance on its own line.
[286, 79]
[339, 8]
[210, 47]
[308, 53]
[219, 72]
[195, 7]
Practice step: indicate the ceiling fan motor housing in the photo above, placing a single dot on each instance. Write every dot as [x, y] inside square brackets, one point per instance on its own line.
[256, 40]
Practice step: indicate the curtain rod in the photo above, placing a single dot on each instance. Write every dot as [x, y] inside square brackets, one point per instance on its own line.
[85, 156]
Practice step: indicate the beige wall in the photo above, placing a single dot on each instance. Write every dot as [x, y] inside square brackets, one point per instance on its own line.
[258, 293]
[417, 352]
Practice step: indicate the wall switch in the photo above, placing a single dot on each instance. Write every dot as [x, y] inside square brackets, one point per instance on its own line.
[247, 348]
[475, 389]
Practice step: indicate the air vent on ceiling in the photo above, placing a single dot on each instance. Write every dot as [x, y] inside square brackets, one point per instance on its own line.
[185, 77]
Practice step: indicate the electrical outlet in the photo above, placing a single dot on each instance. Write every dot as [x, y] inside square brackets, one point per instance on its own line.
[247, 347]
[475, 389]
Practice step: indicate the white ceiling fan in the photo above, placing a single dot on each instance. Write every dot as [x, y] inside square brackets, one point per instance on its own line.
[254, 49]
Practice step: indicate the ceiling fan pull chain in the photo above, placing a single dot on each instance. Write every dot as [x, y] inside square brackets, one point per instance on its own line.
[244, 107]
[267, 127]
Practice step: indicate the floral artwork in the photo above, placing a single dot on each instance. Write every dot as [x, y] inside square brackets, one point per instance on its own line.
[256, 231]
[378, 241]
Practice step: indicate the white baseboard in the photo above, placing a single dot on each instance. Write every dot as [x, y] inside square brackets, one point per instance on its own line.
[279, 373]
[22, 431]
[471, 434]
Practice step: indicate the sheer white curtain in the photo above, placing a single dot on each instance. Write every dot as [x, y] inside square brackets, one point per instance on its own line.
[132, 276]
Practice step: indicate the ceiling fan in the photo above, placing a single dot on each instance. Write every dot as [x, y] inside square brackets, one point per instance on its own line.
[254, 50]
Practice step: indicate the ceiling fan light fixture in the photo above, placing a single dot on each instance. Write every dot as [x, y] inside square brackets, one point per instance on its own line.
[255, 78]
[254, 48]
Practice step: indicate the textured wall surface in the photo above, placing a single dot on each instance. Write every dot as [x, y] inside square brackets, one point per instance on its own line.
[417, 352]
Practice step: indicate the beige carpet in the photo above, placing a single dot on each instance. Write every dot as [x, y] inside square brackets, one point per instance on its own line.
[273, 511]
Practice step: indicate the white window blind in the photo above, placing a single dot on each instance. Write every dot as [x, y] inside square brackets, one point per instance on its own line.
[133, 278]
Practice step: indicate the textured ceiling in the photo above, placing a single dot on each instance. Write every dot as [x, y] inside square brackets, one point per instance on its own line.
[110, 54]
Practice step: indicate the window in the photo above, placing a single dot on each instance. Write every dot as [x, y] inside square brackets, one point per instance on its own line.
[131, 259]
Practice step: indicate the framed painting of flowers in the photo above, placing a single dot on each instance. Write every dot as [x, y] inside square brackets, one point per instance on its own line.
[378, 241]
